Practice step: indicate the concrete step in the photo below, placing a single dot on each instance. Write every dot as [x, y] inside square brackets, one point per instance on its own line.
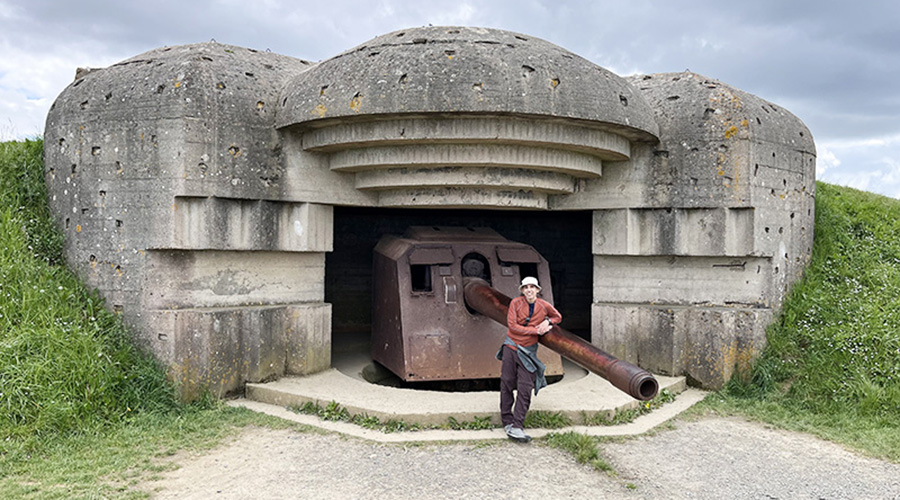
[578, 395]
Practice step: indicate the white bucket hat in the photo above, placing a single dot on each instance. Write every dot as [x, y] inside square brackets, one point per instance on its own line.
[530, 280]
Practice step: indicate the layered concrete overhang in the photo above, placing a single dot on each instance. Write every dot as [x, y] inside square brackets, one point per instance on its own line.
[464, 117]
[210, 192]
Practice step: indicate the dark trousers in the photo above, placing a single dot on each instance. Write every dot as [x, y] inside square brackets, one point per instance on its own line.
[514, 375]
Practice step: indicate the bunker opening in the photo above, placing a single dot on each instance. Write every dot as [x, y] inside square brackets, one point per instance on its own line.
[437, 358]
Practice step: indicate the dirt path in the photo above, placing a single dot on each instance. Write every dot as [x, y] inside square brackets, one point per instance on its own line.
[712, 458]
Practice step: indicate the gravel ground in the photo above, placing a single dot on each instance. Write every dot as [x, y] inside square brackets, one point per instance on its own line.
[713, 458]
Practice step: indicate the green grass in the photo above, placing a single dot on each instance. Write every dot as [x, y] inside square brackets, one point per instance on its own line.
[832, 365]
[546, 420]
[583, 447]
[66, 363]
[626, 416]
[333, 411]
[113, 461]
[70, 377]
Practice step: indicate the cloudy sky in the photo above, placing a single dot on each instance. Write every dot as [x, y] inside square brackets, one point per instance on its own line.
[834, 64]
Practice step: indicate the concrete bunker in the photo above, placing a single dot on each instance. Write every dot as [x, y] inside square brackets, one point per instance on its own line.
[216, 195]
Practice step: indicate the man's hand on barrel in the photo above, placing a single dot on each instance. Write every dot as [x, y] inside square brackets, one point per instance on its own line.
[544, 326]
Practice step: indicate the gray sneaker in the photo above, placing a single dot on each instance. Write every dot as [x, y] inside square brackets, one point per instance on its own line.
[517, 434]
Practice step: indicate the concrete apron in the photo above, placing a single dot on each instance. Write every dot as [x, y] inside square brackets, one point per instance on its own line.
[577, 395]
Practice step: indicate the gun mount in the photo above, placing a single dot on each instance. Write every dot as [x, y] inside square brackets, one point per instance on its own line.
[422, 329]
[439, 309]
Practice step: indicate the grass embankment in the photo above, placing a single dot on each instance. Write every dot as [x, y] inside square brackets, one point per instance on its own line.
[80, 407]
[66, 364]
[83, 413]
[832, 365]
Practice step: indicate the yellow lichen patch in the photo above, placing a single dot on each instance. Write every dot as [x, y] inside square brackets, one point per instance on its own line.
[356, 102]
[319, 110]
[721, 159]
[187, 377]
[744, 360]
[745, 123]
[731, 132]
[78, 228]
[554, 82]
[177, 84]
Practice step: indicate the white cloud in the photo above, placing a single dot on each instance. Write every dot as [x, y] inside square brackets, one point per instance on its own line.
[825, 160]
[30, 82]
[891, 172]
[879, 173]
[869, 164]
[461, 14]
[865, 142]
[856, 180]
[21, 117]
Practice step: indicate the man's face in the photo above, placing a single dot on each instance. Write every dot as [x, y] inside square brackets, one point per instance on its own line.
[530, 292]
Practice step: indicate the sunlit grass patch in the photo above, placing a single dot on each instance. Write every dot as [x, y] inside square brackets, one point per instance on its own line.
[581, 446]
[539, 419]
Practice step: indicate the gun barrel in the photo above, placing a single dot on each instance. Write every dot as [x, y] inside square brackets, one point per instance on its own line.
[633, 380]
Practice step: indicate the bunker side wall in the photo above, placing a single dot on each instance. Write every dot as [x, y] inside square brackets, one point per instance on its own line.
[698, 239]
[166, 175]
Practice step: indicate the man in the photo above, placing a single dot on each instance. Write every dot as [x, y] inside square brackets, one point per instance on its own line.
[528, 318]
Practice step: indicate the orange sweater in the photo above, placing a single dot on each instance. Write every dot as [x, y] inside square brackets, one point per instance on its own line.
[515, 320]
